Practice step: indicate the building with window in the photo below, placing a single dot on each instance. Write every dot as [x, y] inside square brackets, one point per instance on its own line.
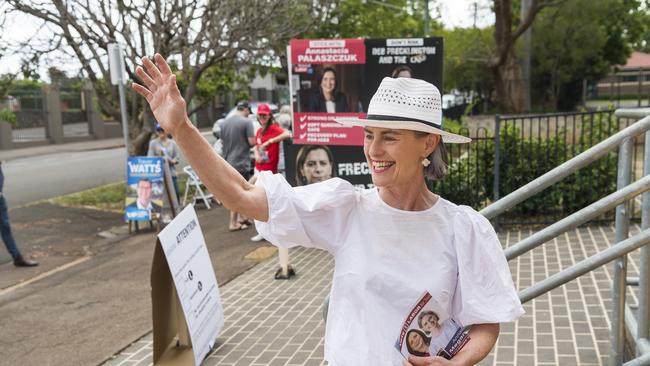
[627, 81]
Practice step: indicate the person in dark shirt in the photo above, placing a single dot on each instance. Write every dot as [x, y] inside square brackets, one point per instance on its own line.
[5, 231]
[327, 98]
[238, 135]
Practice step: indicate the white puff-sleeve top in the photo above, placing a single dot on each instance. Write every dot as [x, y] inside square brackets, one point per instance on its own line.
[386, 258]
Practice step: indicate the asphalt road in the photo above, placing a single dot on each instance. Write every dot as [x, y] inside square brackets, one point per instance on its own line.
[46, 176]
[40, 177]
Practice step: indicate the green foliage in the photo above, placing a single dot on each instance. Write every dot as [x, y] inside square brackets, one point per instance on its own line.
[626, 25]
[60, 78]
[6, 82]
[580, 39]
[29, 69]
[110, 197]
[243, 95]
[466, 56]
[357, 18]
[451, 125]
[471, 171]
[468, 174]
[571, 41]
[642, 44]
[8, 116]
[217, 79]
[27, 84]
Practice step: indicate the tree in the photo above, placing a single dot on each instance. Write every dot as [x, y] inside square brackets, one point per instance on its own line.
[198, 35]
[3, 19]
[369, 19]
[578, 40]
[56, 75]
[467, 53]
[6, 81]
[505, 66]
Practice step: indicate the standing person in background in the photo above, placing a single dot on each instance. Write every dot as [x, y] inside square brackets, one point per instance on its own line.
[165, 147]
[267, 145]
[327, 98]
[267, 140]
[285, 121]
[402, 71]
[5, 230]
[284, 117]
[238, 136]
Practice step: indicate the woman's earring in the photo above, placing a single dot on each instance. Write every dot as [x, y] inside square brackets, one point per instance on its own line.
[426, 162]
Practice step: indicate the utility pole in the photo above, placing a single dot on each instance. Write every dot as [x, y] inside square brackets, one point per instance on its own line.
[525, 8]
[475, 12]
[118, 77]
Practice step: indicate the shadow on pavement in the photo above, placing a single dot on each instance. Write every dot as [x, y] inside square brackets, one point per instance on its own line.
[100, 303]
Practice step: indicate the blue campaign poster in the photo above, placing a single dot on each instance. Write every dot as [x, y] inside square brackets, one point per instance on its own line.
[144, 188]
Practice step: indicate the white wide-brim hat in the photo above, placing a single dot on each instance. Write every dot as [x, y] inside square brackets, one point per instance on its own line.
[405, 104]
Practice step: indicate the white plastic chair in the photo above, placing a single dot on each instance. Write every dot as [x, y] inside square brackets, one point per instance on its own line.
[194, 183]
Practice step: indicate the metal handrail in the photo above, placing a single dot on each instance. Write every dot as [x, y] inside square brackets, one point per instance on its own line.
[618, 252]
[565, 169]
[644, 358]
[585, 266]
[578, 218]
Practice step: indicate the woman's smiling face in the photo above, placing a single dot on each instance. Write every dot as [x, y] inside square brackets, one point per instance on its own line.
[394, 156]
[417, 342]
[429, 323]
[328, 83]
[263, 119]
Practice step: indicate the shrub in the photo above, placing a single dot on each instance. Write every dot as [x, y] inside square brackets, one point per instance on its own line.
[451, 125]
[8, 116]
[471, 171]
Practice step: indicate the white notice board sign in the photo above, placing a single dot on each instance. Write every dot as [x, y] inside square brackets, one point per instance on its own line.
[189, 262]
[116, 64]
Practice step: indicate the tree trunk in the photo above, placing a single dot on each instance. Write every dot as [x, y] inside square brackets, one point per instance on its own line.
[140, 133]
[508, 73]
[509, 85]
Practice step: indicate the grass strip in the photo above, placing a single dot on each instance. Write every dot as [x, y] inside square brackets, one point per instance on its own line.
[110, 197]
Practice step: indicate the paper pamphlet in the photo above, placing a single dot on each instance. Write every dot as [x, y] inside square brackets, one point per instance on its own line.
[429, 331]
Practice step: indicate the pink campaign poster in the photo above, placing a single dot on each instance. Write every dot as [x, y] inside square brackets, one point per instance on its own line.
[327, 85]
[332, 78]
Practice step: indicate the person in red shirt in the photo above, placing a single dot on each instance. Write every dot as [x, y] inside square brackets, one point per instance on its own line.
[267, 140]
[267, 156]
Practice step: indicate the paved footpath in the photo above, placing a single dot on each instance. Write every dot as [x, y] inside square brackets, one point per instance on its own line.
[272, 322]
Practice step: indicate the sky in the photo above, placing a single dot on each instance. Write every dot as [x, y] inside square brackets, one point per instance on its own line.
[460, 13]
[453, 13]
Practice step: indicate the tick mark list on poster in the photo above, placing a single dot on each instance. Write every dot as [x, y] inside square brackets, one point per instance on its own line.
[323, 137]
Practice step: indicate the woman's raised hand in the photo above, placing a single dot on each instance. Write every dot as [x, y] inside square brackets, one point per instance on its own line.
[161, 91]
